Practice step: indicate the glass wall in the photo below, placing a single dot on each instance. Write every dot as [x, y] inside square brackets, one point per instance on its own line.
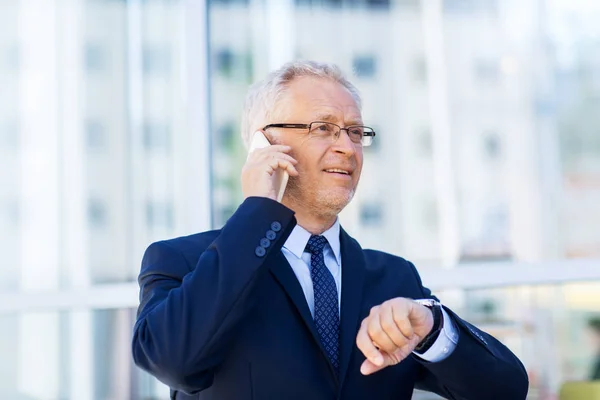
[547, 326]
[100, 155]
[487, 144]
[119, 126]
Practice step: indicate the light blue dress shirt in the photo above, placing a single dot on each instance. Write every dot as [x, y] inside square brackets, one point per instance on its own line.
[293, 250]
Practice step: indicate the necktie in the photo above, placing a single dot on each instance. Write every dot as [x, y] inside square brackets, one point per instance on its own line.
[326, 317]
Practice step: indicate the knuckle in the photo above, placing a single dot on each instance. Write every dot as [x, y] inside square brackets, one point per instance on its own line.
[379, 336]
[388, 324]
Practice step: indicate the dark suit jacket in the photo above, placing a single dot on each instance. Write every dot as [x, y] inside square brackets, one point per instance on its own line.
[221, 319]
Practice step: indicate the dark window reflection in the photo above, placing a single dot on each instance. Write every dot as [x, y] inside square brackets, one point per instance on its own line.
[491, 145]
[371, 215]
[95, 135]
[373, 4]
[97, 213]
[364, 66]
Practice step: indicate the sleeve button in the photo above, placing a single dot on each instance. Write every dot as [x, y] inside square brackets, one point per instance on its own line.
[271, 235]
[260, 251]
[276, 226]
[264, 242]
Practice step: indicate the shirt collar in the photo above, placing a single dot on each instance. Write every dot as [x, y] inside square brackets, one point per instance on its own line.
[296, 242]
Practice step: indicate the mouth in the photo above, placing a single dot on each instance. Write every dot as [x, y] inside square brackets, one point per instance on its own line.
[338, 171]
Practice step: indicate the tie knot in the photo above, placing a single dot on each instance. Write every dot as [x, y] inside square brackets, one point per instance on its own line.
[315, 244]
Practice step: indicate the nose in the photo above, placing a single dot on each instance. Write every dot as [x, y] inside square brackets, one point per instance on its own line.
[343, 144]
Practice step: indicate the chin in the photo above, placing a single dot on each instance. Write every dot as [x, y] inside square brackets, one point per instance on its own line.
[334, 200]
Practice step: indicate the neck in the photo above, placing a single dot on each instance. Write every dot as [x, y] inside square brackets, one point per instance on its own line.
[308, 219]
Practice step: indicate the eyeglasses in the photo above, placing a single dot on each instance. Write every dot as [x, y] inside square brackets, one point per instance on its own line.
[319, 129]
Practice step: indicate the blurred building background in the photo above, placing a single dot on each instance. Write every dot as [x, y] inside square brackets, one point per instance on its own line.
[119, 126]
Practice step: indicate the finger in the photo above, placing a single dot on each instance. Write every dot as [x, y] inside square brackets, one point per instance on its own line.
[283, 164]
[276, 148]
[282, 156]
[378, 335]
[366, 346]
[368, 368]
[270, 158]
[400, 315]
[391, 329]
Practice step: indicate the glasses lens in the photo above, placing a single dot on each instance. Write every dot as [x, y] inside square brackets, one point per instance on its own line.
[322, 129]
[356, 133]
[366, 141]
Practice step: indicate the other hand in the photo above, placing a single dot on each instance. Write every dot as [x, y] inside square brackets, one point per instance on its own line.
[391, 332]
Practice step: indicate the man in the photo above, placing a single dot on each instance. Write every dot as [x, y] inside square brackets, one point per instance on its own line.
[281, 303]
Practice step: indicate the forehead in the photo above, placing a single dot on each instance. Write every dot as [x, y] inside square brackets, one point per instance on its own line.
[307, 98]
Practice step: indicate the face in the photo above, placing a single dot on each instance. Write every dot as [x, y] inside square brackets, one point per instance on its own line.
[318, 188]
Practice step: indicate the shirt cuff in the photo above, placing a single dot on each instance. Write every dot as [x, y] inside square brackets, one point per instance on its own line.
[444, 344]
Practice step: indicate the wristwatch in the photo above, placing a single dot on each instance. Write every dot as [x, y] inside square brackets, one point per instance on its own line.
[438, 324]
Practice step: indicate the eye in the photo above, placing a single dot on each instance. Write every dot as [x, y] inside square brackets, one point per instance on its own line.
[322, 128]
[356, 132]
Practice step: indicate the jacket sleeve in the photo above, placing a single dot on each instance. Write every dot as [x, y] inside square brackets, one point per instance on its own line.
[187, 318]
[480, 367]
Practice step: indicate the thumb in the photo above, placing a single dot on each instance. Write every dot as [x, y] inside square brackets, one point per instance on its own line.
[368, 368]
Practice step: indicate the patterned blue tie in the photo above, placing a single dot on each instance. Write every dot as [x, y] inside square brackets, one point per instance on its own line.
[327, 317]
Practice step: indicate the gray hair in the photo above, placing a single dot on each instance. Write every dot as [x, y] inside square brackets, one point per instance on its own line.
[263, 95]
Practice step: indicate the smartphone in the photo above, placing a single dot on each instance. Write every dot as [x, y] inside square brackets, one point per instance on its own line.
[259, 141]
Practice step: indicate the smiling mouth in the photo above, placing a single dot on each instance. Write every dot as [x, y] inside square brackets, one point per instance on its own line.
[337, 171]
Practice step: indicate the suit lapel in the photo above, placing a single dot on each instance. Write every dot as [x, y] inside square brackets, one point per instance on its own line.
[284, 274]
[353, 270]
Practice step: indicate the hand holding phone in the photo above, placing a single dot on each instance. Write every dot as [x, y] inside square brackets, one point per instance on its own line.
[267, 168]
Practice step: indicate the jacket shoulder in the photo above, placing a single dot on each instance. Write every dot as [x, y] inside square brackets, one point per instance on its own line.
[381, 257]
[190, 247]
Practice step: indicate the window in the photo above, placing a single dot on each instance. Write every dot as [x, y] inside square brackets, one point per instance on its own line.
[157, 136]
[372, 4]
[159, 214]
[364, 66]
[491, 145]
[225, 135]
[224, 60]
[379, 4]
[97, 214]
[95, 135]
[371, 215]
[156, 60]
[95, 57]
[232, 65]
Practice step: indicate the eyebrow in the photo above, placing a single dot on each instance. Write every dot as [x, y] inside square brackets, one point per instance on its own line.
[332, 118]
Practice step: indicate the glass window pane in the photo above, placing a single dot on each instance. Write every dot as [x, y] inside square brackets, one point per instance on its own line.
[95, 139]
[81, 354]
[488, 129]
